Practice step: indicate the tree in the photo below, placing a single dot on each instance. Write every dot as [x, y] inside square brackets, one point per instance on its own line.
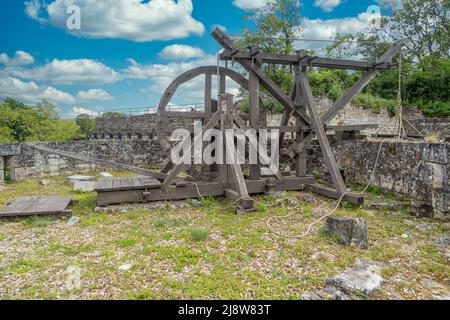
[275, 26]
[20, 123]
[425, 24]
[86, 124]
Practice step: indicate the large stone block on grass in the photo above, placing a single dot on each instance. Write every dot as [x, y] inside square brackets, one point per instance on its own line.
[350, 231]
[362, 280]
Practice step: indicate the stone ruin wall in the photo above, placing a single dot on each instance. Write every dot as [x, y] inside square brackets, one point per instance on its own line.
[144, 126]
[414, 169]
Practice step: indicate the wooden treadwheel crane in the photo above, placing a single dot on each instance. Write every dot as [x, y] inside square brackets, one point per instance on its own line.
[229, 179]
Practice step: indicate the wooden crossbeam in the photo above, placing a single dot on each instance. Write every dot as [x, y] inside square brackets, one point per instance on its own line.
[101, 162]
[179, 167]
[284, 59]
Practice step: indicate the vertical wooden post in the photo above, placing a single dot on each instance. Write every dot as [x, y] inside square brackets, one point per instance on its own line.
[223, 107]
[223, 84]
[255, 118]
[208, 103]
[300, 159]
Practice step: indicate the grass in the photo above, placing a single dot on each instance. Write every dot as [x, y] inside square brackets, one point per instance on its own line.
[199, 234]
[204, 251]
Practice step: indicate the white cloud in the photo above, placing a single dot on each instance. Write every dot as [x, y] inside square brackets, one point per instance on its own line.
[249, 4]
[161, 75]
[179, 52]
[20, 58]
[327, 5]
[94, 95]
[78, 110]
[328, 29]
[135, 20]
[30, 92]
[84, 71]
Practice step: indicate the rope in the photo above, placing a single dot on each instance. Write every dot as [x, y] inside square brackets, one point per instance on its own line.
[310, 226]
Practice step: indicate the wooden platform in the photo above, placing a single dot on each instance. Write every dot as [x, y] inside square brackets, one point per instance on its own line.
[144, 189]
[37, 205]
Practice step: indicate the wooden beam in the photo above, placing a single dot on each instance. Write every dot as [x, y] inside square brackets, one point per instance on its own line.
[321, 135]
[208, 88]
[332, 193]
[314, 61]
[179, 167]
[255, 123]
[101, 162]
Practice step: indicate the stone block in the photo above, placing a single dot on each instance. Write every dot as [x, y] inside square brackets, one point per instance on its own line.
[422, 209]
[362, 280]
[84, 186]
[350, 231]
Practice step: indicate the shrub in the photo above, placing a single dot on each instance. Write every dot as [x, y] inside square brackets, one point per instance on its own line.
[198, 234]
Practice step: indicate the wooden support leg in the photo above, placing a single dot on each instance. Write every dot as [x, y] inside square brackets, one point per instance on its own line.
[318, 127]
[254, 108]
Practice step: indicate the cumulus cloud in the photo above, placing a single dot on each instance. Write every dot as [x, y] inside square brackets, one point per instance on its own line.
[328, 29]
[327, 5]
[84, 71]
[94, 95]
[20, 58]
[135, 20]
[249, 4]
[161, 75]
[30, 92]
[78, 110]
[180, 52]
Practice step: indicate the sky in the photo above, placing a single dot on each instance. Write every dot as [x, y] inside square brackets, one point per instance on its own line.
[126, 52]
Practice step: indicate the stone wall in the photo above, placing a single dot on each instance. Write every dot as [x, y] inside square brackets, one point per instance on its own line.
[31, 162]
[144, 126]
[417, 170]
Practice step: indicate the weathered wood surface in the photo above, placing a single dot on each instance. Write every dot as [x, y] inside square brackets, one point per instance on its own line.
[101, 162]
[332, 193]
[315, 61]
[37, 205]
[126, 183]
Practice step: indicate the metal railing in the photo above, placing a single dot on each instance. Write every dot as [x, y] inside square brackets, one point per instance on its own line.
[153, 109]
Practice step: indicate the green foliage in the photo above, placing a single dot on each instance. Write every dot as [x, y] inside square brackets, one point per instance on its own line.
[278, 18]
[375, 103]
[199, 234]
[86, 124]
[20, 123]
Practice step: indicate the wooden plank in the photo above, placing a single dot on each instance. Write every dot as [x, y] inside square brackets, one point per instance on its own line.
[288, 183]
[37, 205]
[321, 135]
[332, 193]
[101, 162]
[127, 183]
[189, 190]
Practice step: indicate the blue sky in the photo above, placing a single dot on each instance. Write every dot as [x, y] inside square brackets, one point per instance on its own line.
[128, 51]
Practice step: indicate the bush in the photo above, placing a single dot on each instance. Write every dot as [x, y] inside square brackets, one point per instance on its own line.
[436, 109]
[366, 100]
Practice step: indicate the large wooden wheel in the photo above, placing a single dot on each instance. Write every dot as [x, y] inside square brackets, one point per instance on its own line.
[164, 116]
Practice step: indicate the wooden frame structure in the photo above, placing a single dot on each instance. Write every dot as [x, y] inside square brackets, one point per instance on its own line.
[229, 179]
